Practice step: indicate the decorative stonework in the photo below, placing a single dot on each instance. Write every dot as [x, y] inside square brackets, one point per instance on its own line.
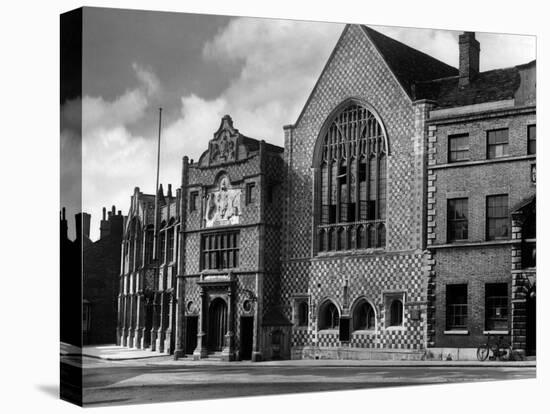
[431, 187]
[223, 148]
[431, 236]
[223, 206]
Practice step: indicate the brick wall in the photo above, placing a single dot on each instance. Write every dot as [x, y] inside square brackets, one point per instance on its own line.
[475, 267]
[482, 262]
[477, 130]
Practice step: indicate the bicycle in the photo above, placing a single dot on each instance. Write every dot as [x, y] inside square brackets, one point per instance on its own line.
[501, 350]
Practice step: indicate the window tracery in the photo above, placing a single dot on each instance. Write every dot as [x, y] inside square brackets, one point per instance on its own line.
[352, 182]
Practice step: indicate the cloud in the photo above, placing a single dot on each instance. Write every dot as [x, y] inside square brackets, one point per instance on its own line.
[281, 60]
[114, 160]
[147, 78]
[125, 110]
[503, 50]
[496, 50]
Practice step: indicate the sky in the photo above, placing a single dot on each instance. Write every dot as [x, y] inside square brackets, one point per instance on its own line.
[199, 68]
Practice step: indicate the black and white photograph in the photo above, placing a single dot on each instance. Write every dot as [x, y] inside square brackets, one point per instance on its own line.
[289, 207]
[297, 201]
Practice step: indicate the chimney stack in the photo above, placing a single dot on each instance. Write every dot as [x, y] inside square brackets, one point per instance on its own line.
[104, 225]
[116, 225]
[468, 58]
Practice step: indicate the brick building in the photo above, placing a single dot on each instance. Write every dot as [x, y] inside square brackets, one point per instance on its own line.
[481, 205]
[101, 264]
[357, 239]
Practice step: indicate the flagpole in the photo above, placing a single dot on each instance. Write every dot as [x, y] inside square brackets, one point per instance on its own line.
[154, 299]
[157, 187]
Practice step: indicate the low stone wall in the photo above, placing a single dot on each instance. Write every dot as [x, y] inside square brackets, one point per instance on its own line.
[309, 352]
[451, 354]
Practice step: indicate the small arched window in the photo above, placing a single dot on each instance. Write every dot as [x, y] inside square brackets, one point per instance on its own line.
[396, 313]
[351, 179]
[303, 313]
[363, 316]
[329, 317]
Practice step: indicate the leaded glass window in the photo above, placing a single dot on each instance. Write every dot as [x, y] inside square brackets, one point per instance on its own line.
[352, 174]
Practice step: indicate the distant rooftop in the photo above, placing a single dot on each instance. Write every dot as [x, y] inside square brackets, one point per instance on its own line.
[424, 77]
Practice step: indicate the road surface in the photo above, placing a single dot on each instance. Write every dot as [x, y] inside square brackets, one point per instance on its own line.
[162, 380]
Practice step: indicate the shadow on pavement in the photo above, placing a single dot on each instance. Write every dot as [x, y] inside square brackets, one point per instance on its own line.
[51, 390]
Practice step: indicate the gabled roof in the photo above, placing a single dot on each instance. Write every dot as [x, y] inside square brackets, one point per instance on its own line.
[489, 86]
[424, 77]
[407, 64]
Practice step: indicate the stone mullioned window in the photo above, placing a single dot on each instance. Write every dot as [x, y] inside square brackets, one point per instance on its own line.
[352, 182]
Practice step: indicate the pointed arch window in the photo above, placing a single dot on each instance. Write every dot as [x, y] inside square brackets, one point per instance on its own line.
[351, 180]
[363, 316]
[329, 317]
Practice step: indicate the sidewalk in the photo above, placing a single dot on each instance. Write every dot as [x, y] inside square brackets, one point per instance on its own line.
[118, 353]
[348, 363]
[110, 352]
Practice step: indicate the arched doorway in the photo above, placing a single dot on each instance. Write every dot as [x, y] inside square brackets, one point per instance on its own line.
[217, 324]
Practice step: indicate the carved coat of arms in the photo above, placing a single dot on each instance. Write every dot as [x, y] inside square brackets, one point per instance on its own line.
[223, 206]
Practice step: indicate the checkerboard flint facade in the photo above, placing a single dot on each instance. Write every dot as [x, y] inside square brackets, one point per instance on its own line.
[272, 299]
[357, 70]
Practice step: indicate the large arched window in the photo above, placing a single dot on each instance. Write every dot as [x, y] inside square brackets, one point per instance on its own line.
[351, 181]
[329, 317]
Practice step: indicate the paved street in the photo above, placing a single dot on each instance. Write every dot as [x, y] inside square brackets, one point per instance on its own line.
[162, 379]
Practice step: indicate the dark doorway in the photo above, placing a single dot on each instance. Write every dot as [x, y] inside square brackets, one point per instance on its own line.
[531, 340]
[191, 324]
[247, 334]
[276, 340]
[148, 323]
[217, 324]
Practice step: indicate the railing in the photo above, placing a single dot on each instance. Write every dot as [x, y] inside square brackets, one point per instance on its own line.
[366, 234]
